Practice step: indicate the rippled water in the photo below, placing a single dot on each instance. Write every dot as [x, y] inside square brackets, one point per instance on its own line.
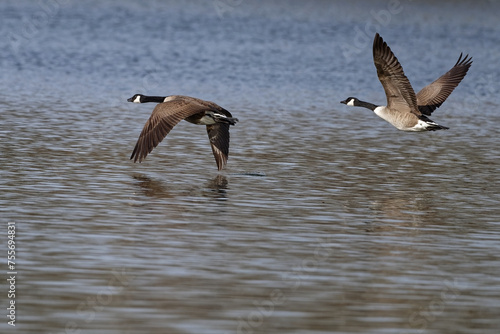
[326, 219]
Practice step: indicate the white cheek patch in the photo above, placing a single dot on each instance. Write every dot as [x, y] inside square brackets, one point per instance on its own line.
[137, 99]
[351, 103]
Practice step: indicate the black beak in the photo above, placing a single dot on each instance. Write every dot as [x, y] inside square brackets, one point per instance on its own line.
[131, 99]
[344, 102]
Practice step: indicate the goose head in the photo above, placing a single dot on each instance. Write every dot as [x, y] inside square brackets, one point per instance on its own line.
[137, 98]
[351, 101]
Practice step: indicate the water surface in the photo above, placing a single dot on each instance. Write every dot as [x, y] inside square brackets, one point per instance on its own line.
[326, 219]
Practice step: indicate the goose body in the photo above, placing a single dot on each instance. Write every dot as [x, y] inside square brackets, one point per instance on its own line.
[174, 108]
[406, 110]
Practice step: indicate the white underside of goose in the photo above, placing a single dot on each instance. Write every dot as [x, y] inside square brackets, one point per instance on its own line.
[421, 125]
[383, 113]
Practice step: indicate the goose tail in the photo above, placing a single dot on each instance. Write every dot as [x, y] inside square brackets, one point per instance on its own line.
[221, 118]
[435, 126]
[426, 124]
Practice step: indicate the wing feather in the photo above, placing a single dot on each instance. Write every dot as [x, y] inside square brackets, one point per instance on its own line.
[433, 95]
[219, 140]
[397, 87]
[163, 118]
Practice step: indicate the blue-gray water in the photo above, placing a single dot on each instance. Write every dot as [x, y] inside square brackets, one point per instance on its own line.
[326, 219]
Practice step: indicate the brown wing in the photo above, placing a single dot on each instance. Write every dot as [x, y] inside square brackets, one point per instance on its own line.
[219, 139]
[400, 94]
[163, 118]
[433, 95]
[209, 105]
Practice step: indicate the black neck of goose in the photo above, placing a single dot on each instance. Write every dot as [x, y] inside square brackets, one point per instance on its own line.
[367, 105]
[155, 99]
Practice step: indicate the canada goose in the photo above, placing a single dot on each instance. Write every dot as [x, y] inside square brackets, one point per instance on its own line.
[171, 110]
[405, 110]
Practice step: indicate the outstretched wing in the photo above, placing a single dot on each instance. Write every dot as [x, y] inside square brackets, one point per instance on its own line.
[400, 94]
[219, 140]
[163, 118]
[433, 95]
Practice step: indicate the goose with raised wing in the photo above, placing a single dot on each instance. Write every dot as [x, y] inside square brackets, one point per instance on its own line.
[406, 110]
[174, 108]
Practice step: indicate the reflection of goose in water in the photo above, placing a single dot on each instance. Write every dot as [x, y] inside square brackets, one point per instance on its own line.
[406, 211]
[152, 188]
[214, 188]
[378, 211]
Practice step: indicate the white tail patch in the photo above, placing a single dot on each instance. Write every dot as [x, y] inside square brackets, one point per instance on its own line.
[421, 126]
